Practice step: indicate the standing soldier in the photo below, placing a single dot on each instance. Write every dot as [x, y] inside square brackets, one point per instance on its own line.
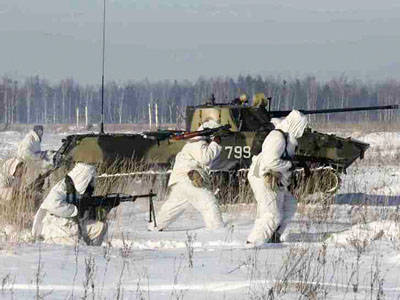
[189, 182]
[269, 178]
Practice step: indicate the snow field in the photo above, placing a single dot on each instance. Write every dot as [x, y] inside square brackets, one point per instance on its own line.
[349, 250]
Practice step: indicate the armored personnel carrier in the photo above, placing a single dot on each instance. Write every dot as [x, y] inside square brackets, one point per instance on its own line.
[326, 154]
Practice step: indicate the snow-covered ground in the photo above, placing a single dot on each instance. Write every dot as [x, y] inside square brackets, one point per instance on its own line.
[348, 250]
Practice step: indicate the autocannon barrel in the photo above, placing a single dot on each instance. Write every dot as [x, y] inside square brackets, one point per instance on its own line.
[283, 113]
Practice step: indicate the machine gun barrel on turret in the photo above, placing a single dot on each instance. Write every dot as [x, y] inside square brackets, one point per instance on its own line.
[284, 113]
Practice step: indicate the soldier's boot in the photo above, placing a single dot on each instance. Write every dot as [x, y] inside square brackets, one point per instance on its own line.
[275, 238]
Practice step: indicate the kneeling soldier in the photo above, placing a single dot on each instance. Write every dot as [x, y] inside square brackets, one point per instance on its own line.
[58, 219]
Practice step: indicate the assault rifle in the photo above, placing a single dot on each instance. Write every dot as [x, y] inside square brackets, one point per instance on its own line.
[222, 130]
[108, 202]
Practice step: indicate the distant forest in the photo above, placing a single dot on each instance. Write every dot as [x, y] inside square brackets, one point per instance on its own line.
[37, 101]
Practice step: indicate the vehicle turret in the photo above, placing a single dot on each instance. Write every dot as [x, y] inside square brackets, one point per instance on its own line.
[256, 117]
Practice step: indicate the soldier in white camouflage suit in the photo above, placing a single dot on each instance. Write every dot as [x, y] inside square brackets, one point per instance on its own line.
[189, 182]
[57, 220]
[269, 178]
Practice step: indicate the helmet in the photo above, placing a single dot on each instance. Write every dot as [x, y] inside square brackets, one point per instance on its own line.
[243, 98]
[259, 100]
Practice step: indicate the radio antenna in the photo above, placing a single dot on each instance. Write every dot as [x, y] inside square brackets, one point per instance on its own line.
[102, 73]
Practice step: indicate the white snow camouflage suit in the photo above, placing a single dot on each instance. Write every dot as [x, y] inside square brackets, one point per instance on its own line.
[275, 207]
[7, 179]
[197, 155]
[56, 219]
[29, 151]
[29, 147]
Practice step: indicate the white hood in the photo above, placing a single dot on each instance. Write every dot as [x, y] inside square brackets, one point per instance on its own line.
[29, 147]
[211, 124]
[294, 124]
[82, 174]
[276, 121]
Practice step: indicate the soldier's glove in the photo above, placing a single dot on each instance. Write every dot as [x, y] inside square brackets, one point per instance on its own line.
[273, 179]
[196, 178]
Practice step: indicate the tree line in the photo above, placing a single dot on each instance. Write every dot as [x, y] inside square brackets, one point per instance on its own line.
[36, 100]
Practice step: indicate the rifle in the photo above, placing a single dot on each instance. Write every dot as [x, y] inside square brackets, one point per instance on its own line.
[108, 202]
[160, 135]
[206, 132]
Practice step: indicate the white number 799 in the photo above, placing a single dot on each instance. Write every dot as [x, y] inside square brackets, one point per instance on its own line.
[238, 152]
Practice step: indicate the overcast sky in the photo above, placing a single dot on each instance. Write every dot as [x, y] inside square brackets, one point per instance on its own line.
[185, 39]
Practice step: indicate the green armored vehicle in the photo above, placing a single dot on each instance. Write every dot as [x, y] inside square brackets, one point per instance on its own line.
[249, 125]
